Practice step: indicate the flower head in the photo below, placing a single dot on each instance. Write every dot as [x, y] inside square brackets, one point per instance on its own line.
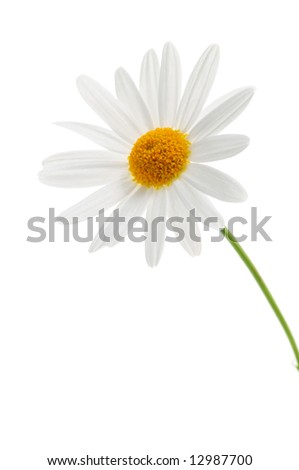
[156, 149]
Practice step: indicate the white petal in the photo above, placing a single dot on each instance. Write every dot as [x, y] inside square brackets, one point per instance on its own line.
[218, 147]
[81, 178]
[154, 242]
[129, 95]
[193, 199]
[177, 208]
[198, 88]
[82, 169]
[83, 159]
[215, 183]
[99, 135]
[149, 83]
[169, 85]
[133, 205]
[108, 108]
[103, 198]
[221, 113]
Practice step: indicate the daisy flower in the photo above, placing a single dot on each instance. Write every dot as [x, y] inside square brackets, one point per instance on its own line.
[157, 148]
[155, 154]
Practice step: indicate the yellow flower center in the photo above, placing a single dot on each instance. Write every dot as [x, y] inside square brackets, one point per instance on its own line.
[159, 157]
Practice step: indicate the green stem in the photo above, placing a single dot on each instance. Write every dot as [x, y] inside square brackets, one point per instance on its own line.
[229, 236]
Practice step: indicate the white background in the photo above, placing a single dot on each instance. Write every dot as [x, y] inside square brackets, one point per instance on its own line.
[100, 354]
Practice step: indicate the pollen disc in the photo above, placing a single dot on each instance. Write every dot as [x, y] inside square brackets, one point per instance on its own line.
[159, 157]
